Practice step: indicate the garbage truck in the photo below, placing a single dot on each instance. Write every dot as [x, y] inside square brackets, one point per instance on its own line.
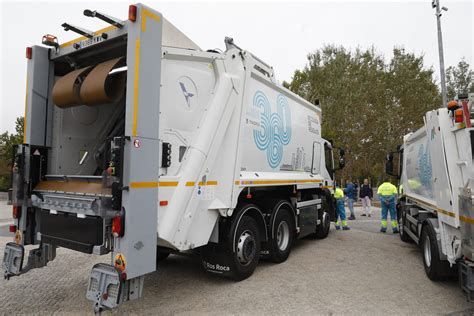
[139, 144]
[435, 206]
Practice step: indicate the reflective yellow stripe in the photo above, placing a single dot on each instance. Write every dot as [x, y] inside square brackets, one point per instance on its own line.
[135, 87]
[208, 183]
[98, 32]
[168, 184]
[149, 14]
[26, 111]
[451, 214]
[466, 219]
[191, 184]
[143, 185]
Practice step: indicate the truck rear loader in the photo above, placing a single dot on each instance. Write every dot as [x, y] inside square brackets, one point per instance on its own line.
[435, 207]
[139, 144]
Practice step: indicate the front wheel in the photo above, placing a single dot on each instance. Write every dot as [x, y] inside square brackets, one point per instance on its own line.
[322, 230]
[246, 248]
[324, 226]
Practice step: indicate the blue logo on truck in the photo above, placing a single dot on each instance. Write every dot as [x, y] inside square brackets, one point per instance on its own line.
[425, 171]
[275, 128]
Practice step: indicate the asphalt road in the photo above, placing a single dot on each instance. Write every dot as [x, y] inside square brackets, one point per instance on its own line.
[360, 271]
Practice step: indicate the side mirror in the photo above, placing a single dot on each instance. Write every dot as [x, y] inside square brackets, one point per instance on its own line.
[342, 162]
[342, 158]
[389, 164]
[389, 168]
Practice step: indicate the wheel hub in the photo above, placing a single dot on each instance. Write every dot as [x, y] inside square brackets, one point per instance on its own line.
[246, 248]
[427, 251]
[283, 236]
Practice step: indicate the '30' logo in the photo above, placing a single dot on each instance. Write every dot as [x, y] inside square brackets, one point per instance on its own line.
[275, 128]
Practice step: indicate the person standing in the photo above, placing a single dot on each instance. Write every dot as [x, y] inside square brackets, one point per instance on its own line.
[351, 193]
[387, 194]
[365, 196]
[340, 210]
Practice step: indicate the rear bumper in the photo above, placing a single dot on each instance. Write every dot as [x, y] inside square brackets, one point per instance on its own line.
[70, 231]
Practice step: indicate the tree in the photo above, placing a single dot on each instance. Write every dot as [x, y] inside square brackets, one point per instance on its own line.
[459, 79]
[368, 104]
[7, 141]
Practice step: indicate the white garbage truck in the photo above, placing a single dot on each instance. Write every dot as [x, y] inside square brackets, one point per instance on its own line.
[435, 208]
[139, 144]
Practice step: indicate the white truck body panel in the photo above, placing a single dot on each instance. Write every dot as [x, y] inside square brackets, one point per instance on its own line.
[437, 169]
[266, 136]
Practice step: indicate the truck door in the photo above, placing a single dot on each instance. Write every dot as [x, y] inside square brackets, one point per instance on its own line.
[316, 162]
[329, 159]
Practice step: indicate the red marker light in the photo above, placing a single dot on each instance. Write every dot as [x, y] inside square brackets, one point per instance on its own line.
[117, 226]
[29, 52]
[16, 213]
[458, 116]
[12, 228]
[132, 13]
[163, 203]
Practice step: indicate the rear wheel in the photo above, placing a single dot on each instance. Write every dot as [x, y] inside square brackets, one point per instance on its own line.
[245, 255]
[282, 233]
[161, 255]
[435, 268]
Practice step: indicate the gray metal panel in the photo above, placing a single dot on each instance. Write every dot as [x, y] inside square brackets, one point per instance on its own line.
[141, 157]
[36, 108]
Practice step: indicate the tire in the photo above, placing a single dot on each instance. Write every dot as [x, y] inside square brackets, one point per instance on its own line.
[161, 255]
[402, 228]
[245, 243]
[435, 268]
[282, 233]
[322, 230]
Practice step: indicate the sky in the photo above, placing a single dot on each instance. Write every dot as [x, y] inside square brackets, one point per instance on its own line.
[280, 33]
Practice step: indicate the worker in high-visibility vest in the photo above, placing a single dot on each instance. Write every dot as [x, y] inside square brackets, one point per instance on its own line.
[340, 210]
[387, 193]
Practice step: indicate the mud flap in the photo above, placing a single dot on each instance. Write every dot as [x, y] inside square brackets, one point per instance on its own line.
[216, 260]
[105, 287]
[12, 260]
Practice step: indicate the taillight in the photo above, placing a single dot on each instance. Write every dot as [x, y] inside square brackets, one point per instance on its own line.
[16, 213]
[29, 52]
[458, 116]
[132, 13]
[118, 226]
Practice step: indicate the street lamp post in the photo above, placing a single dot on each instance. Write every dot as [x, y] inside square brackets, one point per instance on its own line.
[435, 4]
